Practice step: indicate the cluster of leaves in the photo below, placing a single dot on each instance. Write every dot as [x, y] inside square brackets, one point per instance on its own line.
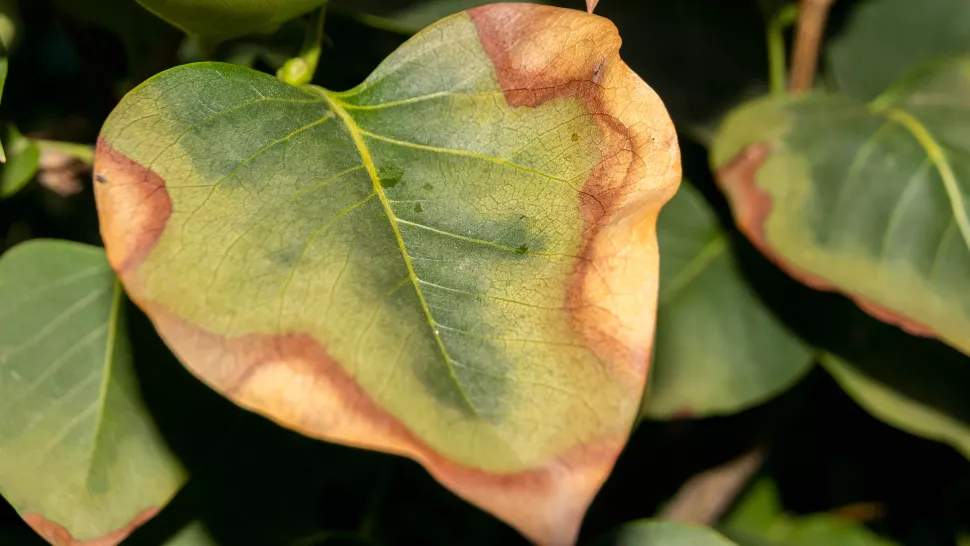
[858, 188]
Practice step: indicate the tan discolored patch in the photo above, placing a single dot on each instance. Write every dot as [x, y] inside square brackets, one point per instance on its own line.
[133, 206]
[571, 54]
[291, 379]
[751, 207]
[57, 535]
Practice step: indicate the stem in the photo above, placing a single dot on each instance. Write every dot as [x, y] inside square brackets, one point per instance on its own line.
[777, 69]
[811, 22]
[300, 70]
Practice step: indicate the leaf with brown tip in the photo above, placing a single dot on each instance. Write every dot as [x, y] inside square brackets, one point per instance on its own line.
[455, 261]
[868, 200]
[82, 458]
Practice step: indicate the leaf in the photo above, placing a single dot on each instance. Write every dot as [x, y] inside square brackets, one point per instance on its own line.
[664, 533]
[924, 402]
[867, 200]
[500, 336]
[868, 56]
[759, 520]
[23, 161]
[80, 458]
[218, 20]
[419, 15]
[747, 355]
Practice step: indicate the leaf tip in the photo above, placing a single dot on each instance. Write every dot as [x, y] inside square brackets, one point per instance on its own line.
[58, 535]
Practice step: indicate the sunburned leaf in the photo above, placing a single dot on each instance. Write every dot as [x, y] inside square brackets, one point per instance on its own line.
[80, 457]
[500, 336]
[747, 354]
[869, 200]
[217, 20]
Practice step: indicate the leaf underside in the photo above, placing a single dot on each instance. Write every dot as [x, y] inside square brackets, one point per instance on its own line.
[870, 200]
[455, 260]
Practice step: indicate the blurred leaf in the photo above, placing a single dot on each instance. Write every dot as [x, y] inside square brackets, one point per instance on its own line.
[9, 23]
[663, 533]
[23, 160]
[81, 455]
[870, 54]
[421, 14]
[218, 20]
[896, 406]
[759, 520]
[746, 355]
[868, 200]
[146, 38]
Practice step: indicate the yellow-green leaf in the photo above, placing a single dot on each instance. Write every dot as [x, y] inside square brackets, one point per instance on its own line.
[747, 355]
[217, 20]
[454, 261]
[663, 533]
[80, 456]
[925, 400]
[870, 200]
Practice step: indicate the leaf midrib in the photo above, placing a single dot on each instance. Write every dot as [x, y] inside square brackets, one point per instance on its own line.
[364, 151]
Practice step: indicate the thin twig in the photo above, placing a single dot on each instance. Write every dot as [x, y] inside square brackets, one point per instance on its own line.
[777, 64]
[811, 22]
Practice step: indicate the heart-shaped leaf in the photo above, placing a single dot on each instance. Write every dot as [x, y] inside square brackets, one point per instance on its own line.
[663, 533]
[868, 54]
[747, 355]
[871, 200]
[80, 457]
[455, 261]
[217, 20]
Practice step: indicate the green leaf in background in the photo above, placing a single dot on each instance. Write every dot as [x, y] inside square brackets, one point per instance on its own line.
[718, 348]
[925, 398]
[450, 261]
[23, 160]
[79, 455]
[885, 39]
[417, 16]
[869, 200]
[218, 20]
[760, 520]
[663, 533]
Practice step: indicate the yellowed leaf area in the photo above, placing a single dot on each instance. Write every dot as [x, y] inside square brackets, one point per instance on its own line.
[455, 261]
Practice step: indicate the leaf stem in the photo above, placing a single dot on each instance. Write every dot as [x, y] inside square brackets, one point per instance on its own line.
[300, 70]
[777, 64]
[811, 21]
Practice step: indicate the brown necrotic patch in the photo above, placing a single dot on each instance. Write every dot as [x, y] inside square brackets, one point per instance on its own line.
[58, 535]
[291, 379]
[573, 55]
[133, 207]
[751, 205]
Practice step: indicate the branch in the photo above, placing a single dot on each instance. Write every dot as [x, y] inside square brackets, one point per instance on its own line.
[811, 22]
